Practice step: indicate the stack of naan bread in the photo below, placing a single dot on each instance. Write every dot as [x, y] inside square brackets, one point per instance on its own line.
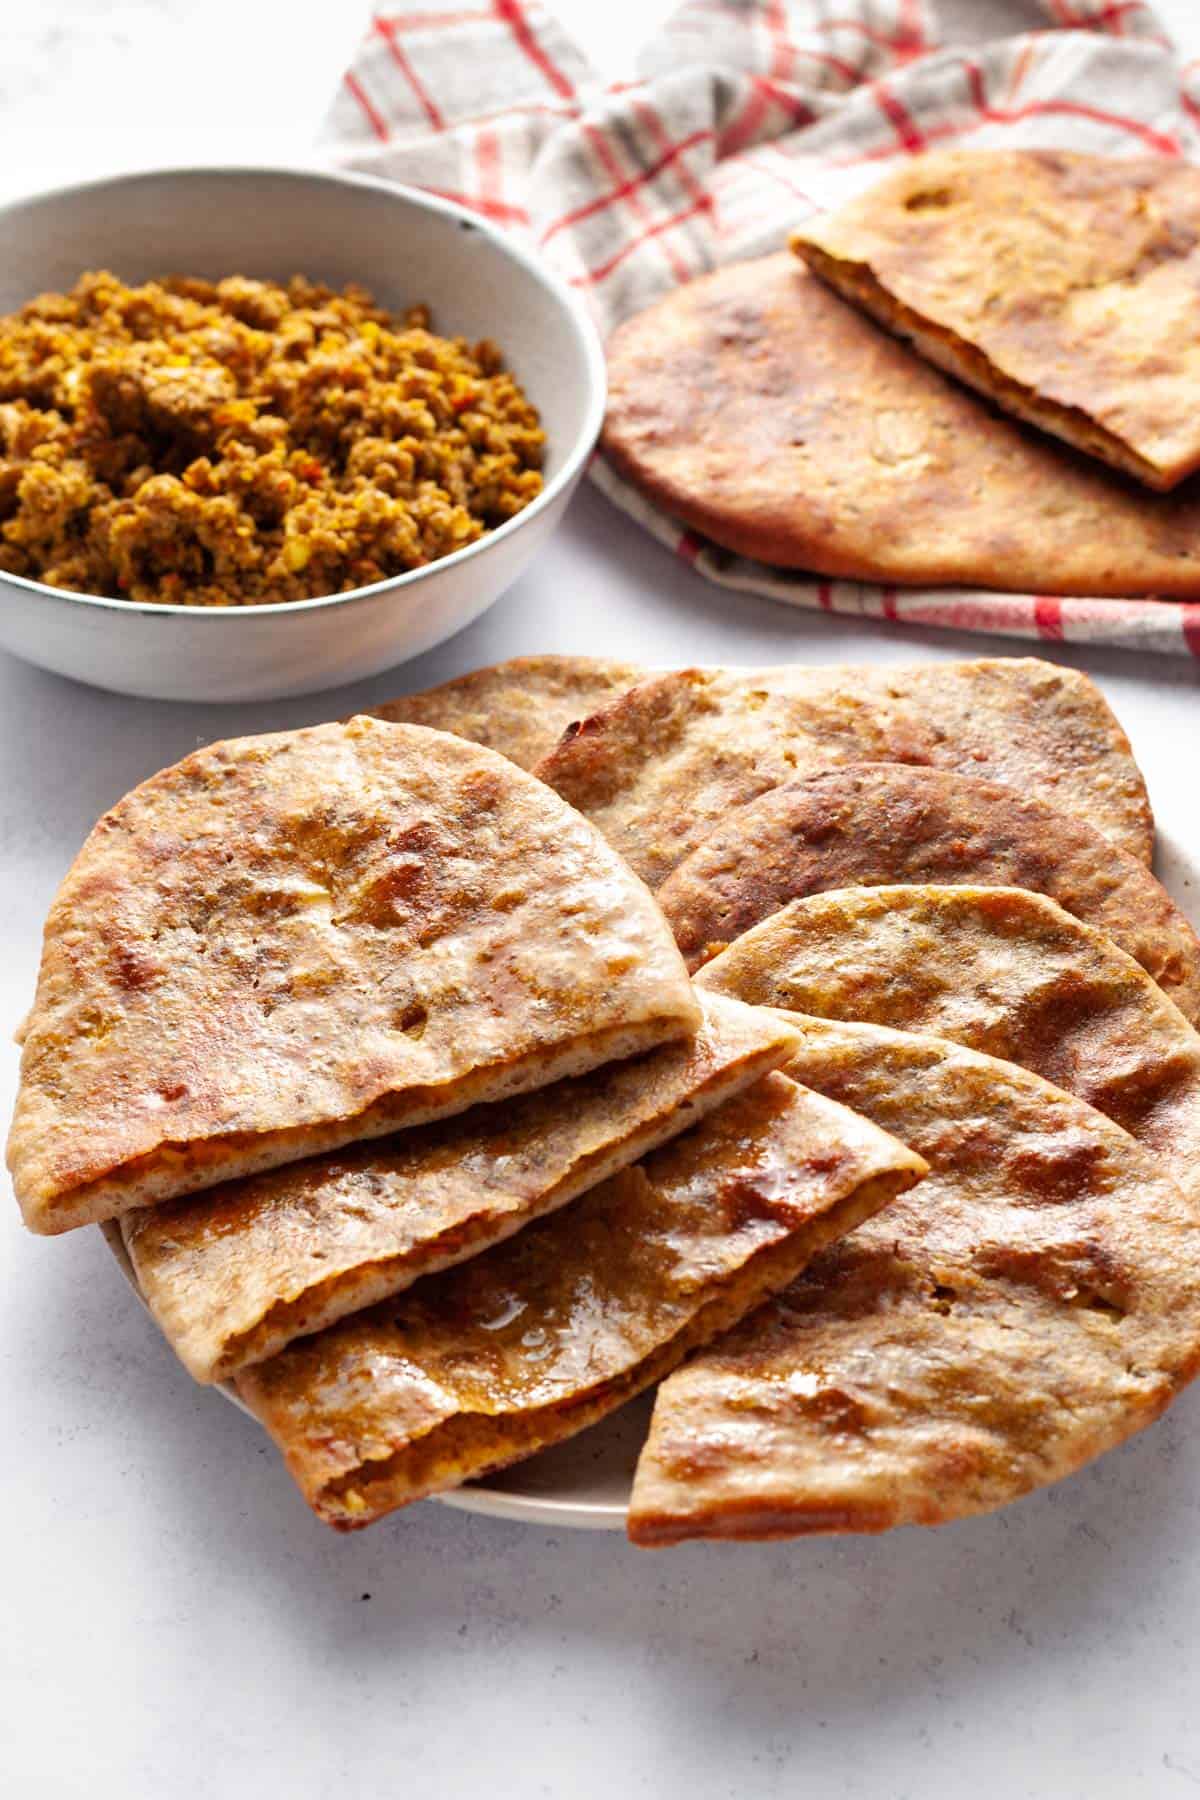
[873, 1134]
[794, 408]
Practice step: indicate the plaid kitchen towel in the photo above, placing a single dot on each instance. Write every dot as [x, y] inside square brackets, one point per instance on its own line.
[743, 118]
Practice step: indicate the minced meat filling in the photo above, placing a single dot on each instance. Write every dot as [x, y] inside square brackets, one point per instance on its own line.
[235, 443]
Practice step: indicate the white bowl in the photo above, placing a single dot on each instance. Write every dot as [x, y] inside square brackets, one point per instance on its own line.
[272, 223]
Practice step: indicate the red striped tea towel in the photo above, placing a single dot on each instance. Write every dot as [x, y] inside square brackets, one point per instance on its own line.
[745, 117]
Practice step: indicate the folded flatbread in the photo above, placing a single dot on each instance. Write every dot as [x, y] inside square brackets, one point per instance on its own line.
[999, 970]
[874, 824]
[668, 763]
[520, 707]
[760, 409]
[235, 1273]
[1032, 1303]
[528, 1343]
[1060, 285]
[284, 944]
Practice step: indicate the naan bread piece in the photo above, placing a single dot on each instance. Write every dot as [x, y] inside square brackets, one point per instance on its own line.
[1032, 1303]
[1032, 725]
[763, 411]
[668, 762]
[521, 707]
[1001, 971]
[284, 944]
[234, 1274]
[532, 1341]
[662, 766]
[872, 825]
[1014, 719]
[1060, 285]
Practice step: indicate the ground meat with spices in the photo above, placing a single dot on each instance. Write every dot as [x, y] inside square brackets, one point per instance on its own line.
[234, 443]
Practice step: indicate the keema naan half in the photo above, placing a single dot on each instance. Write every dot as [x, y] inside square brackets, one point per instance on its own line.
[1002, 971]
[520, 707]
[1060, 285]
[1032, 1303]
[765, 412]
[234, 1274]
[287, 943]
[667, 763]
[532, 1341]
[872, 825]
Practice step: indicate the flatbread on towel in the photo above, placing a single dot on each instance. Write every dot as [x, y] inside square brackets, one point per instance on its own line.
[1032, 1303]
[520, 707]
[669, 762]
[999, 970]
[1061, 285]
[530, 1342]
[284, 944]
[760, 409]
[237, 1272]
[875, 824]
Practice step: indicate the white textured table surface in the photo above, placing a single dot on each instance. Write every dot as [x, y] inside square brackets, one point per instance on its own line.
[175, 1624]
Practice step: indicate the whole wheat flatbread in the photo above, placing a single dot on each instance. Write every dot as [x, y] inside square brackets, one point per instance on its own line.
[521, 707]
[1060, 285]
[1032, 1303]
[1045, 730]
[528, 1343]
[234, 1274]
[1017, 719]
[872, 825]
[668, 762]
[658, 769]
[287, 943]
[760, 409]
[999, 970]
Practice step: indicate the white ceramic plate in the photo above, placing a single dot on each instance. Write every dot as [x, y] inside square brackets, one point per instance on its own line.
[585, 1483]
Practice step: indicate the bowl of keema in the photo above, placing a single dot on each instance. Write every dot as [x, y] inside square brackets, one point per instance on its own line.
[330, 432]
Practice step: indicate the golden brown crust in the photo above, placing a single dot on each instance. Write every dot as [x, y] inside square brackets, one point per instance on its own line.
[1000, 971]
[521, 707]
[287, 943]
[1042, 729]
[1060, 285]
[763, 411]
[234, 1274]
[532, 1341]
[1033, 1302]
[667, 763]
[872, 825]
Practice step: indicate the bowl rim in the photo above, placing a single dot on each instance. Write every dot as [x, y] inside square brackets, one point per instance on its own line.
[586, 334]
